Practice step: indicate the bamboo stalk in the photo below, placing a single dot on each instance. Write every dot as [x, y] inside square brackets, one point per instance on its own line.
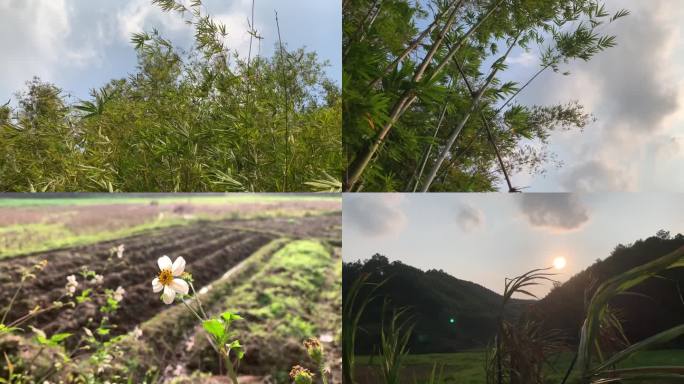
[459, 127]
[362, 160]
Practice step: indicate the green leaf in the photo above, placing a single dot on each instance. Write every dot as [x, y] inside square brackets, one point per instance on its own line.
[237, 348]
[215, 328]
[229, 317]
[59, 337]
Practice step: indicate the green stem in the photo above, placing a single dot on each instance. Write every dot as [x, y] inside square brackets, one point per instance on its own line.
[229, 367]
[192, 310]
[199, 302]
[12, 301]
[321, 368]
[30, 315]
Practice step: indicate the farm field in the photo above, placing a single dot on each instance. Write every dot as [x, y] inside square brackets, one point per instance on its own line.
[468, 367]
[276, 264]
[29, 225]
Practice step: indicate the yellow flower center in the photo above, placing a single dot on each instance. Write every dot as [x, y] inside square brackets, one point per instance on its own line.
[165, 277]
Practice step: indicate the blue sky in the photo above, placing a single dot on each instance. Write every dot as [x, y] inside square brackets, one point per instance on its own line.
[82, 44]
[486, 237]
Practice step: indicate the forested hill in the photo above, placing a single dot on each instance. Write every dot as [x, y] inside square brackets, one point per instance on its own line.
[658, 305]
[450, 314]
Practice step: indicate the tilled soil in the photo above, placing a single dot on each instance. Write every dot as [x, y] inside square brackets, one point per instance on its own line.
[325, 226]
[209, 251]
[79, 218]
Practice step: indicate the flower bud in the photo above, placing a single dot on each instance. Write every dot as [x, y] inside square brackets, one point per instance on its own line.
[301, 375]
[314, 349]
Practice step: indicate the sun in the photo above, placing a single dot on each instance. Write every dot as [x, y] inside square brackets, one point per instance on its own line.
[559, 262]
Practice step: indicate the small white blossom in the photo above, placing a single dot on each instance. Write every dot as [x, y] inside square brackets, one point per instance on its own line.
[71, 285]
[137, 333]
[326, 338]
[120, 250]
[204, 290]
[119, 294]
[99, 279]
[168, 279]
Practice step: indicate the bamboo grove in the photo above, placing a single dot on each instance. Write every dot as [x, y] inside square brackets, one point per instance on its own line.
[424, 104]
[204, 119]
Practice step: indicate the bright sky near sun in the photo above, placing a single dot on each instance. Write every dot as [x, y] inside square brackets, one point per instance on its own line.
[634, 91]
[486, 237]
[82, 44]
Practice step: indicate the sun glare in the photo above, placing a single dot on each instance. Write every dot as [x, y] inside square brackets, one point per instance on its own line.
[559, 262]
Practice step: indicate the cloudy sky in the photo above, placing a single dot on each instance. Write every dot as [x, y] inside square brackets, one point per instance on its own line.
[486, 237]
[635, 92]
[82, 44]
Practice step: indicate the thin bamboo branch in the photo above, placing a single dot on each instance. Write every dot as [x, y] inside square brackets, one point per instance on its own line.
[457, 130]
[283, 56]
[362, 160]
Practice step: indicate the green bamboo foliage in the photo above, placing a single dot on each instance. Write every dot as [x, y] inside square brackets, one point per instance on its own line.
[203, 120]
[354, 303]
[603, 371]
[521, 348]
[394, 338]
[401, 80]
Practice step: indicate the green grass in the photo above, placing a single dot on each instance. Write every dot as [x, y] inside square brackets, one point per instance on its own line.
[99, 199]
[41, 237]
[468, 367]
[283, 292]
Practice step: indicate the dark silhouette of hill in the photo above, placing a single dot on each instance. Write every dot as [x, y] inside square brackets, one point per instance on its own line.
[436, 298]
[657, 305]
[450, 314]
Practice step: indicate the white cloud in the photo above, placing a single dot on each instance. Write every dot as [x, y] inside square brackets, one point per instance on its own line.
[525, 59]
[33, 33]
[554, 211]
[375, 214]
[470, 218]
[140, 15]
[634, 90]
[596, 176]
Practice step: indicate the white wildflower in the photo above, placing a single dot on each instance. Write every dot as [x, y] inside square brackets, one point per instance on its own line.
[137, 333]
[119, 294]
[326, 338]
[120, 250]
[71, 285]
[99, 279]
[168, 280]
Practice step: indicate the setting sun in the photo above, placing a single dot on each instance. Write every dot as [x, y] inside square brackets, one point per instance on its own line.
[559, 262]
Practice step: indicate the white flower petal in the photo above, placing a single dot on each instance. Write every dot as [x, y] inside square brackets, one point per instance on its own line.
[156, 285]
[168, 295]
[164, 262]
[180, 286]
[178, 266]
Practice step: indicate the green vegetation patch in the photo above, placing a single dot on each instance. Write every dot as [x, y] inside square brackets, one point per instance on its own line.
[286, 292]
[468, 367]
